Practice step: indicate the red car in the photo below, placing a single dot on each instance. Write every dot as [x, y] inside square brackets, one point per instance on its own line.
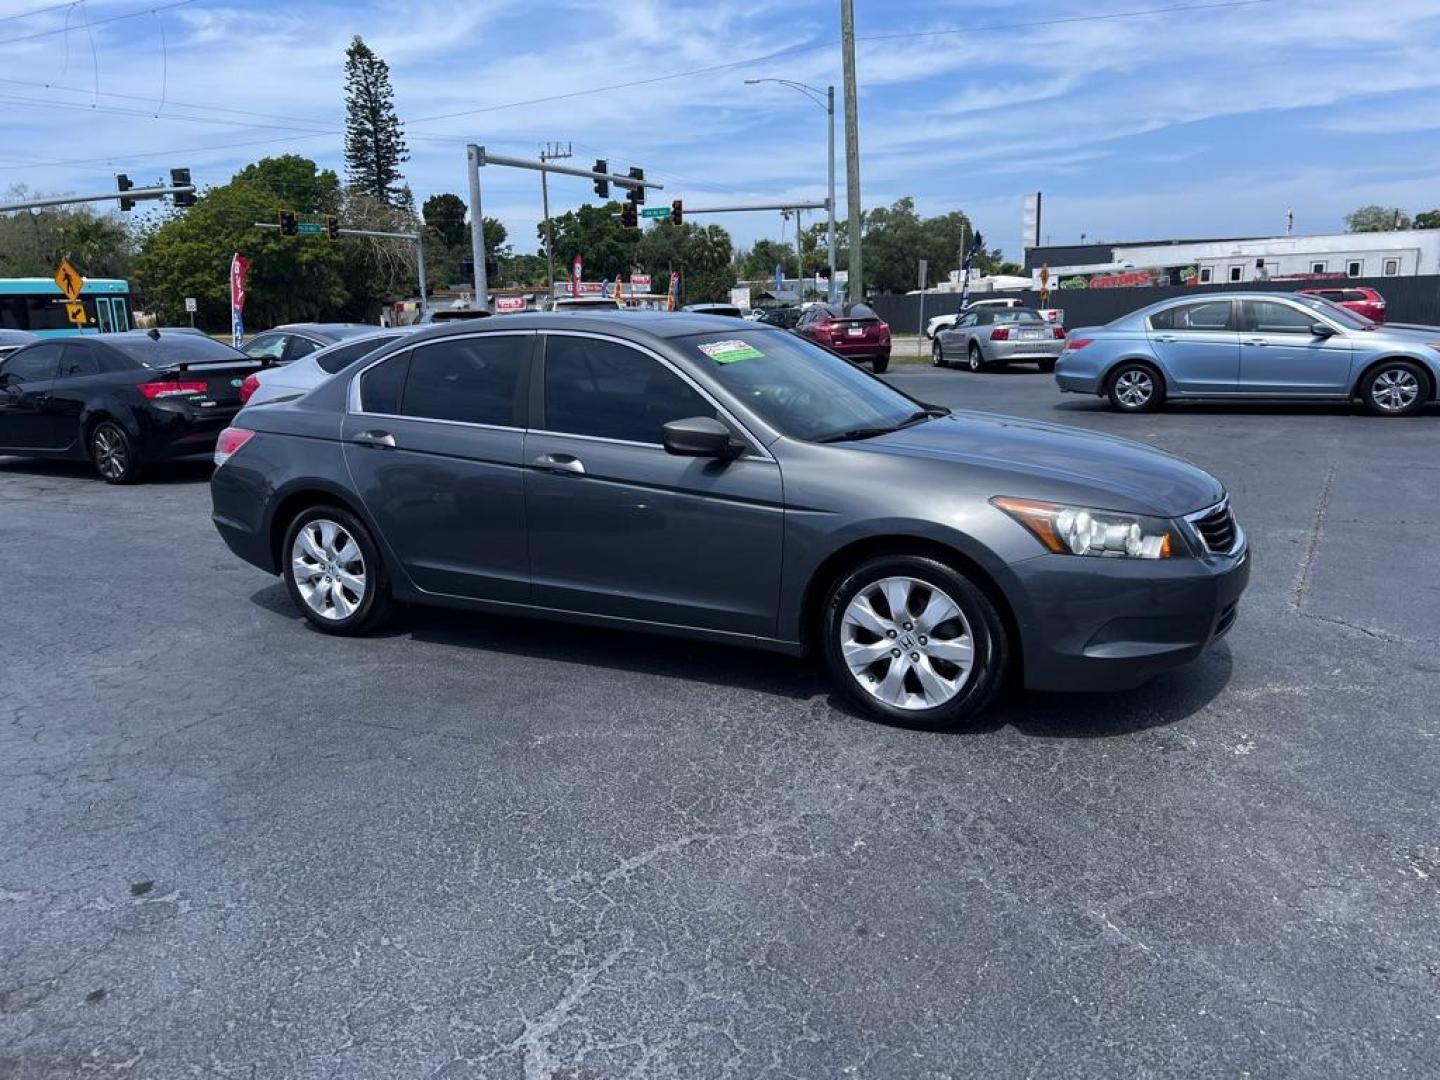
[852, 330]
[1361, 299]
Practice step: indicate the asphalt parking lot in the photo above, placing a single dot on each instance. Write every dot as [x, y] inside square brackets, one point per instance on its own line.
[234, 847]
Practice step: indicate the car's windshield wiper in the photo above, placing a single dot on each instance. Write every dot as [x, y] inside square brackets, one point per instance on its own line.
[870, 432]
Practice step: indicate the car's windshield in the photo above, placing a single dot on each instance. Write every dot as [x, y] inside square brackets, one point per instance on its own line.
[1331, 310]
[800, 389]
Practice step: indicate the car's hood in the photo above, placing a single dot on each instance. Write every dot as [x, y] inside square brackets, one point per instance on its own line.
[1102, 471]
[1408, 333]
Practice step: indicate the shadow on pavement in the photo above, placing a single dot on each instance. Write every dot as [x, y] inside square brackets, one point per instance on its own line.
[183, 471]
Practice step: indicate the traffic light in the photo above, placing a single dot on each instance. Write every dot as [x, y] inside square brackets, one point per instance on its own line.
[637, 194]
[122, 183]
[181, 178]
[602, 187]
[289, 225]
[332, 227]
[629, 218]
[677, 212]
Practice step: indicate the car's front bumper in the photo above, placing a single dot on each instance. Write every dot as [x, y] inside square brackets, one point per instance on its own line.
[1110, 624]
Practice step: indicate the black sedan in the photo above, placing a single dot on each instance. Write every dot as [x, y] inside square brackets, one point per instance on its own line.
[119, 399]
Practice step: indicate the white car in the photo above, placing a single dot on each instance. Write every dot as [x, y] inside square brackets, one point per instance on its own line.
[586, 303]
[940, 322]
[303, 375]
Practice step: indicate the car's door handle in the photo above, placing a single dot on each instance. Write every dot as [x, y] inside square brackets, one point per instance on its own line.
[375, 438]
[1256, 341]
[1165, 337]
[560, 463]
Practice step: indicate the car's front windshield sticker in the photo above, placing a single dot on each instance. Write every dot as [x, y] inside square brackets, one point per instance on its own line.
[727, 352]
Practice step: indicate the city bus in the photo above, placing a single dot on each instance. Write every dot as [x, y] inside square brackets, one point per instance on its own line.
[37, 305]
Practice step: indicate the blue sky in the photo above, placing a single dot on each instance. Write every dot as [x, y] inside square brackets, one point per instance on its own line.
[1199, 122]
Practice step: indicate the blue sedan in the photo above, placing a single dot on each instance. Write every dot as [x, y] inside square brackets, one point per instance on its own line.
[1277, 346]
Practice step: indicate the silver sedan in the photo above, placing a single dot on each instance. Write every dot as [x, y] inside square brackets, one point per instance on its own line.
[985, 338]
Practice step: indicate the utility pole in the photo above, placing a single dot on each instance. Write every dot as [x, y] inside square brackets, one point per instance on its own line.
[551, 152]
[852, 149]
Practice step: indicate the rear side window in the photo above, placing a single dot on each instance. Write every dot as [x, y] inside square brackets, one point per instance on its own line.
[610, 391]
[1354, 295]
[1207, 315]
[332, 360]
[298, 347]
[78, 362]
[471, 380]
[382, 385]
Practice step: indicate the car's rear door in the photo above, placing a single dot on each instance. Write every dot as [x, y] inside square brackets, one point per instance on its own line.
[25, 381]
[1281, 354]
[433, 440]
[1198, 345]
[620, 527]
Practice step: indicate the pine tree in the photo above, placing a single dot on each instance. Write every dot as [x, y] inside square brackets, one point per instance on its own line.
[374, 141]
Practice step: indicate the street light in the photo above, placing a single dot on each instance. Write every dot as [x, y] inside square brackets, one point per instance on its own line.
[826, 101]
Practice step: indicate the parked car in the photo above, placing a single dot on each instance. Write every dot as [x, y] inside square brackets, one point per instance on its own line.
[121, 400]
[1361, 299]
[452, 314]
[787, 318]
[730, 311]
[690, 476]
[10, 340]
[994, 337]
[853, 330]
[288, 343]
[310, 371]
[939, 322]
[585, 303]
[1252, 345]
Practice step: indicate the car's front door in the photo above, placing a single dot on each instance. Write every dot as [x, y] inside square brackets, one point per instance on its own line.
[25, 382]
[76, 384]
[1198, 345]
[434, 439]
[620, 527]
[1280, 353]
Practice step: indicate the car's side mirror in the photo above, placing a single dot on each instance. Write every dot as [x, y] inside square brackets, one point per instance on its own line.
[699, 436]
[1320, 329]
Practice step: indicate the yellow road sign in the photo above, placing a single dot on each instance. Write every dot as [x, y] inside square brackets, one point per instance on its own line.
[69, 280]
[75, 312]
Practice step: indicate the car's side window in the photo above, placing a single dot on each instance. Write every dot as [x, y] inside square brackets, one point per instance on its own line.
[332, 360]
[77, 363]
[611, 391]
[471, 380]
[1272, 317]
[382, 385]
[266, 347]
[298, 347]
[1208, 315]
[34, 364]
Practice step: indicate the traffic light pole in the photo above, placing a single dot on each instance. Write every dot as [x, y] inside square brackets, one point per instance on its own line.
[109, 196]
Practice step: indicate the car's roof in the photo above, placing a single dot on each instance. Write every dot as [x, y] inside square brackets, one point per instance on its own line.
[324, 329]
[632, 324]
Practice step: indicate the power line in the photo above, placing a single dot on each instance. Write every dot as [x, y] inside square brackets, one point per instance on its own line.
[37, 11]
[98, 22]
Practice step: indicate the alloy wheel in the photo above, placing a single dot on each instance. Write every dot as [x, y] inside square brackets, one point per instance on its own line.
[907, 643]
[975, 362]
[1394, 390]
[111, 456]
[1134, 388]
[329, 569]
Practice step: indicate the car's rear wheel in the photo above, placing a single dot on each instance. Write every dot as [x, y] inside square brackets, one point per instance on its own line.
[880, 365]
[1135, 387]
[937, 353]
[114, 454]
[333, 572]
[913, 641]
[975, 358]
[1047, 366]
[1394, 388]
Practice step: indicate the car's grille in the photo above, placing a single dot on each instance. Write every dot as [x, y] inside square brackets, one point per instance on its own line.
[1216, 528]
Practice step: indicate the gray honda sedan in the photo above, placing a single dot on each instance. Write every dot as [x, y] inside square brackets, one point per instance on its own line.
[700, 476]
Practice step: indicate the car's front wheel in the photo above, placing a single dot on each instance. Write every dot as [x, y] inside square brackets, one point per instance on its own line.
[913, 641]
[333, 572]
[1394, 388]
[1135, 387]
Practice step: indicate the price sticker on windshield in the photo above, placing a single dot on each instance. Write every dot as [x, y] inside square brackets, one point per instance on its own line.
[727, 352]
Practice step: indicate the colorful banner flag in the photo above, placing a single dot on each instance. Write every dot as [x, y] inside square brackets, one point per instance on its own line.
[239, 268]
[976, 243]
[672, 303]
[576, 269]
[779, 280]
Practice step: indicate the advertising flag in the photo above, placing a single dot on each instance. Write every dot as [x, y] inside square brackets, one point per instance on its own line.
[977, 243]
[576, 269]
[239, 267]
[673, 301]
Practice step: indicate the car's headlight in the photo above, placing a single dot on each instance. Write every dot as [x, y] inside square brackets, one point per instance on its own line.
[1076, 530]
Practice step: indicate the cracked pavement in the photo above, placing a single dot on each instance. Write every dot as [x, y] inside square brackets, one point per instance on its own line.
[471, 847]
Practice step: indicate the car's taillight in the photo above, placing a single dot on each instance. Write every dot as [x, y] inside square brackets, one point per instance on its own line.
[248, 388]
[1059, 332]
[884, 332]
[822, 329]
[1000, 333]
[153, 390]
[1075, 344]
[230, 442]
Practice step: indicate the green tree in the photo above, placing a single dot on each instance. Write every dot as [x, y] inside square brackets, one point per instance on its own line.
[1428, 219]
[374, 140]
[1376, 218]
[291, 278]
[758, 264]
[704, 257]
[33, 243]
[594, 233]
[448, 217]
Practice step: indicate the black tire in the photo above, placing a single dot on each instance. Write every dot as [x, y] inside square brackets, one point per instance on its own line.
[374, 606]
[975, 358]
[937, 353]
[1395, 388]
[1047, 366]
[988, 638]
[880, 365]
[1135, 387]
[113, 453]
